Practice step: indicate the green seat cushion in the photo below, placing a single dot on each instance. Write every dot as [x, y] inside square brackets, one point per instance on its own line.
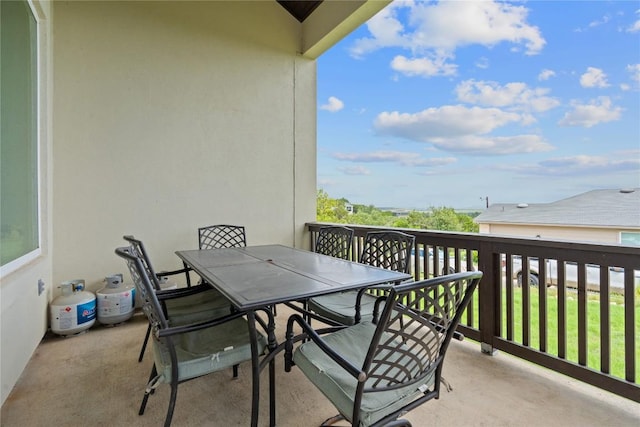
[341, 306]
[207, 350]
[340, 387]
[197, 307]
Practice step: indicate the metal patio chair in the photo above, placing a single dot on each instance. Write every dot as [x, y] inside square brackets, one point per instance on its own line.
[188, 351]
[182, 305]
[222, 236]
[385, 249]
[334, 241]
[375, 371]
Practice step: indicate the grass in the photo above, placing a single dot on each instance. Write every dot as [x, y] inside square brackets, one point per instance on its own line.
[616, 319]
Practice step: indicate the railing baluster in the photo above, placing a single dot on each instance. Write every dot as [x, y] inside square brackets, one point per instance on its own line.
[630, 327]
[562, 311]
[542, 304]
[582, 314]
[526, 303]
[605, 324]
[509, 302]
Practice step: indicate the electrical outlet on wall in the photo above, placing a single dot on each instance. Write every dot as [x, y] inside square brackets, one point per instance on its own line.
[40, 287]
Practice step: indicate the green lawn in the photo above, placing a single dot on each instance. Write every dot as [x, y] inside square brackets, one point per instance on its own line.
[616, 310]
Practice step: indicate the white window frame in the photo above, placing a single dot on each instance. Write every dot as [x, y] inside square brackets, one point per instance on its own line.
[27, 258]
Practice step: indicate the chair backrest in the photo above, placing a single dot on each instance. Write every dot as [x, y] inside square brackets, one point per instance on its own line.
[138, 250]
[145, 286]
[413, 333]
[222, 236]
[334, 241]
[388, 249]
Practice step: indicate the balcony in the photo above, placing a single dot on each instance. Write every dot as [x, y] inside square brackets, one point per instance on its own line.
[95, 379]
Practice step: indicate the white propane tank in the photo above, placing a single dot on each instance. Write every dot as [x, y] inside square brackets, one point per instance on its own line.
[116, 302]
[74, 311]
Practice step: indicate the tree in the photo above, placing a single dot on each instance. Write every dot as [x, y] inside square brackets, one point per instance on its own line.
[443, 218]
[329, 210]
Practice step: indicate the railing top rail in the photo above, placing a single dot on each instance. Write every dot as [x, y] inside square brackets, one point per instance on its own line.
[503, 244]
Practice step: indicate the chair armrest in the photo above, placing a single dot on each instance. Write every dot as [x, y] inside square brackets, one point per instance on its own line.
[183, 329]
[166, 294]
[185, 269]
[173, 272]
[381, 287]
[314, 335]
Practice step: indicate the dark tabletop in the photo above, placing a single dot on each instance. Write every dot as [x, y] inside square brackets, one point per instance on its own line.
[256, 276]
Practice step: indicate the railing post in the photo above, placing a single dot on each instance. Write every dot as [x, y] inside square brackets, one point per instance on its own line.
[489, 316]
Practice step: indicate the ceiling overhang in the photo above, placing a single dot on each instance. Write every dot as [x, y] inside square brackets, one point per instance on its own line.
[326, 22]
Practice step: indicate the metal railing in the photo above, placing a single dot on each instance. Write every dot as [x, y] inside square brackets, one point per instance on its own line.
[579, 315]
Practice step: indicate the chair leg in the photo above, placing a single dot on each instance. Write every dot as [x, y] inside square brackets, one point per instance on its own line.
[147, 392]
[331, 421]
[144, 343]
[399, 423]
[235, 371]
[172, 403]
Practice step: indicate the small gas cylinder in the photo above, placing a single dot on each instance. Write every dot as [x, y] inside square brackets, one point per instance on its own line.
[116, 301]
[74, 311]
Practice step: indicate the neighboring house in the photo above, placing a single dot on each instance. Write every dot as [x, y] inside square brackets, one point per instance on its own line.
[150, 118]
[603, 216]
[349, 208]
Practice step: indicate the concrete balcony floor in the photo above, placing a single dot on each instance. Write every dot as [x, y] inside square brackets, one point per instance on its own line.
[94, 379]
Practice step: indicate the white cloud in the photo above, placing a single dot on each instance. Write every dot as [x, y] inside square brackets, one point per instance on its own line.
[386, 31]
[424, 67]
[604, 20]
[516, 95]
[594, 77]
[447, 121]
[493, 145]
[435, 30]
[451, 24]
[598, 111]
[546, 74]
[333, 105]
[355, 170]
[482, 63]
[635, 27]
[458, 128]
[400, 157]
[580, 165]
[634, 70]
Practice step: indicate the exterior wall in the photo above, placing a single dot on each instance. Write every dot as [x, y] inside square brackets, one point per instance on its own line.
[24, 313]
[174, 115]
[583, 234]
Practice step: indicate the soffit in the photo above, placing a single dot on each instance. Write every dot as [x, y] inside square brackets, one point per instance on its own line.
[300, 9]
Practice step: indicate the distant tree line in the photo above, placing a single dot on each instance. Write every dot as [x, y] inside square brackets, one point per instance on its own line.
[438, 218]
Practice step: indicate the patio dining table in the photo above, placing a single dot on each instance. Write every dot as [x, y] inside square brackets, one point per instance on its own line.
[258, 277]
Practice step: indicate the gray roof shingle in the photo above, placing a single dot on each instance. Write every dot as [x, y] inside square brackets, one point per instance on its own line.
[598, 208]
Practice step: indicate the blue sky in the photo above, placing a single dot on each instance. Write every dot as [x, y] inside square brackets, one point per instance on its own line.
[447, 103]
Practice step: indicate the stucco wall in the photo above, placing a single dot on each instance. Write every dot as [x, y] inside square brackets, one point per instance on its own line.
[174, 115]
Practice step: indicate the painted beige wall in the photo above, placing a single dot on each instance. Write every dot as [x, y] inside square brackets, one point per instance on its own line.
[24, 313]
[171, 116]
[584, 234]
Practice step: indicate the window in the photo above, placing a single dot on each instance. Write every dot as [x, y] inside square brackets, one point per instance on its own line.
[630, 238]
[19, 215]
